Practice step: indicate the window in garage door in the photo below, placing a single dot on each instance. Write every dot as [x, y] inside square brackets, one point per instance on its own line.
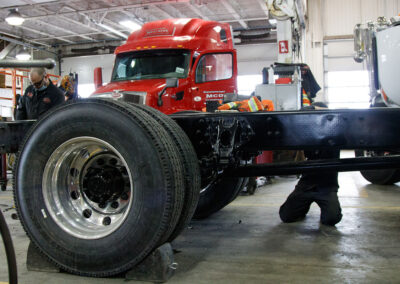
[346, 82]
[347, 89]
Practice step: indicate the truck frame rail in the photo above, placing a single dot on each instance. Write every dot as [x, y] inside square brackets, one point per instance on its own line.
[229, 135]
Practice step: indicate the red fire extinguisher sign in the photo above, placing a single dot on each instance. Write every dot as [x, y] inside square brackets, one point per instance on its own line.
[283, 46]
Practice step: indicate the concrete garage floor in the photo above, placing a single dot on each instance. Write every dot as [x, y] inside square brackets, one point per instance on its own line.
[247, 243]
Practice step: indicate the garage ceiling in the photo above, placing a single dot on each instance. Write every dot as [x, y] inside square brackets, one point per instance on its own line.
[70, 22]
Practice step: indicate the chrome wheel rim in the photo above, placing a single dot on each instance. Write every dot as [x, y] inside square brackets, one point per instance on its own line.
[87, 188]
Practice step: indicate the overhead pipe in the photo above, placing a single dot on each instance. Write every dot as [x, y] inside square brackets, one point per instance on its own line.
[15, 63]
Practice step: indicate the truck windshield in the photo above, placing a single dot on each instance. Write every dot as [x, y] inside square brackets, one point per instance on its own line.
[152, 64]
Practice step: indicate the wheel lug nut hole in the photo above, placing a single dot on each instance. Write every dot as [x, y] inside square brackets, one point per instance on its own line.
[74, 195]
[106, 221]
[87, 213]
[124, 196]
[100, 162]
[113, 161]
[115, 205]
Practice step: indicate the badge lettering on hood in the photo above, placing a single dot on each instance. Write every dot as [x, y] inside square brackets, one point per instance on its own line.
[116, 94]
[163, 31]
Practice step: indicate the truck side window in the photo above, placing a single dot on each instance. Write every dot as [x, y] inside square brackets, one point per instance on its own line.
[214, 67]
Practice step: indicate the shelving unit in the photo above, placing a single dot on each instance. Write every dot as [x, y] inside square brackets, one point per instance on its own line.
[11, 85]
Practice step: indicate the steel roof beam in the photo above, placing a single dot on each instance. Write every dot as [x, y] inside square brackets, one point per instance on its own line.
[243, 19]
[23, 43]
[166, 14]
[6, 51]
[232, 11]
[69, 20]
[42, 33]
[61, 29]
[85, 34]
[107, 9]
[90, 27]
[130, 14]
[198, 12]
[263, 6]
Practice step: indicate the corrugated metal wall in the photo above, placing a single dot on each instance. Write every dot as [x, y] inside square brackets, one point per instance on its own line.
[340, 16]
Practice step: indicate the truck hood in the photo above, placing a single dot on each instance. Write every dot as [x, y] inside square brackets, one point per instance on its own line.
[149, 86]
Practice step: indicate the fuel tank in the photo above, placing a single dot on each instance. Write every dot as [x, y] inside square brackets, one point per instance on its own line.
[388, 50]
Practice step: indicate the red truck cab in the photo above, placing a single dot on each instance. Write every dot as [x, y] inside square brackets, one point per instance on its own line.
[198, 53]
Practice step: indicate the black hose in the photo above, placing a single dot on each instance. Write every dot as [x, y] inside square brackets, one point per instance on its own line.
[10, 253]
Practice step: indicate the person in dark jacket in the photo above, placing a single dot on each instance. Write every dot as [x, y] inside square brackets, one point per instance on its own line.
[38, 97]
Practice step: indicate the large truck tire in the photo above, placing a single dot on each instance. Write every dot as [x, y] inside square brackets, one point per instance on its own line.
[191, 170]
[381, 177]
[98, 187]
[217, 195]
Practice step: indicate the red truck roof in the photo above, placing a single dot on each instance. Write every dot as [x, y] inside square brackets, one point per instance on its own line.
[193, 34]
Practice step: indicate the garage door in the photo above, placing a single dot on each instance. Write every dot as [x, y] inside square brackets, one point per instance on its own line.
[346, 82]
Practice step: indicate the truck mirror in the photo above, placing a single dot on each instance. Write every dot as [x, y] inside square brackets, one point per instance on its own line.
[171, 83]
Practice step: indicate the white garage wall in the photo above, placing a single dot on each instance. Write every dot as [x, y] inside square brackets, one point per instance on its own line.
[85, 65]
[253, 58]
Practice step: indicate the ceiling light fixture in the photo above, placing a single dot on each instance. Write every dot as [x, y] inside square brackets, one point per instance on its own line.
[273, 21]
[131, 25]
[113, 30]
[23, 55]
[14, 18]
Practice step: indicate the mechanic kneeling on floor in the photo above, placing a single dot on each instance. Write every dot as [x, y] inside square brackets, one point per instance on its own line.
[321, 188]
[38, 97]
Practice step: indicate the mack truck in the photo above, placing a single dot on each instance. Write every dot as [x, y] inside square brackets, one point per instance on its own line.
[100, 183]
[174, 66]
[197, 54]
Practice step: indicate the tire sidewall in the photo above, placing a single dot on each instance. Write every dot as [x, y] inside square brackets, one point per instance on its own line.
[380, 177]
[141, 229]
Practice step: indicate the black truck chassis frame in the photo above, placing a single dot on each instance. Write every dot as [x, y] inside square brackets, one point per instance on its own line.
[221, 140]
